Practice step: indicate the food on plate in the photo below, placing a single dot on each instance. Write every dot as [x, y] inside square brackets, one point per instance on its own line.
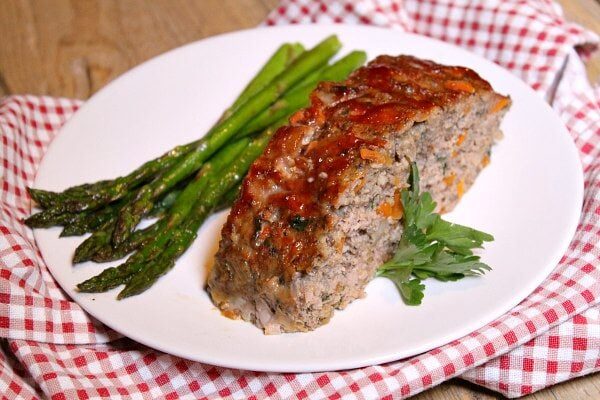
[324, 206]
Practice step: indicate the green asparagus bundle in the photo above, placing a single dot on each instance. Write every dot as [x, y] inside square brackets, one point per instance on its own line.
[185, 185]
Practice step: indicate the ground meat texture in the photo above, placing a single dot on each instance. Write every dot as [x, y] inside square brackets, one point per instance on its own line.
[320, 209]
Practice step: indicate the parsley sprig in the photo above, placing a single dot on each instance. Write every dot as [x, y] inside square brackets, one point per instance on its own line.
[431, 247]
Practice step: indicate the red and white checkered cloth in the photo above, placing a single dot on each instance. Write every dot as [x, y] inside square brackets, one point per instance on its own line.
[51, 348]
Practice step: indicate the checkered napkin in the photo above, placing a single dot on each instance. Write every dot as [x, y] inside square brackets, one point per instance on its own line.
[51, 348]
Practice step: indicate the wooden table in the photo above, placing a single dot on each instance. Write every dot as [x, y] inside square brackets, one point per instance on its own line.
[73, 48]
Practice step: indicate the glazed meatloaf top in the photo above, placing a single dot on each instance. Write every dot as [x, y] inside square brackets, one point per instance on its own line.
[296, 183]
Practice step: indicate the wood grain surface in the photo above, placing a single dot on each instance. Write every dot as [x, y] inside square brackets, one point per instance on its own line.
[72, 48]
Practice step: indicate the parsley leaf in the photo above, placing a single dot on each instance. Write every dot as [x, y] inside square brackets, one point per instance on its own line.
[412, 291]
[431, 247]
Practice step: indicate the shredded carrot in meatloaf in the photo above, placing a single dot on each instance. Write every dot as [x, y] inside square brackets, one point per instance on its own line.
[449, 180]
[460, 188]
[229, 314]
[393, 210]
[503, 102]
[375, 156]
[485, 161]
[460, 86]
[461, 138]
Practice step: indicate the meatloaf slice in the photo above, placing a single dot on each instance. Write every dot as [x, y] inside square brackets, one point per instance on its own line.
[320, 210]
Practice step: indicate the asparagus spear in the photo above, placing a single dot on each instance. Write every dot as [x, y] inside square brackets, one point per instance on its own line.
[131, 214]
[186, 200]
[92, 244]
[114, 276]
[184, 235]
[142, 236]
[88, 222]
[137, 239]
[48, 218]
[92, 196]
[164, 204]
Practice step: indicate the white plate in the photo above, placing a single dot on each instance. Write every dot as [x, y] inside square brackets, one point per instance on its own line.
[529, 198]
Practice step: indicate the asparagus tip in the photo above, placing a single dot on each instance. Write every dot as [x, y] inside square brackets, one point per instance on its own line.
[123, 294]
[78, 257]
